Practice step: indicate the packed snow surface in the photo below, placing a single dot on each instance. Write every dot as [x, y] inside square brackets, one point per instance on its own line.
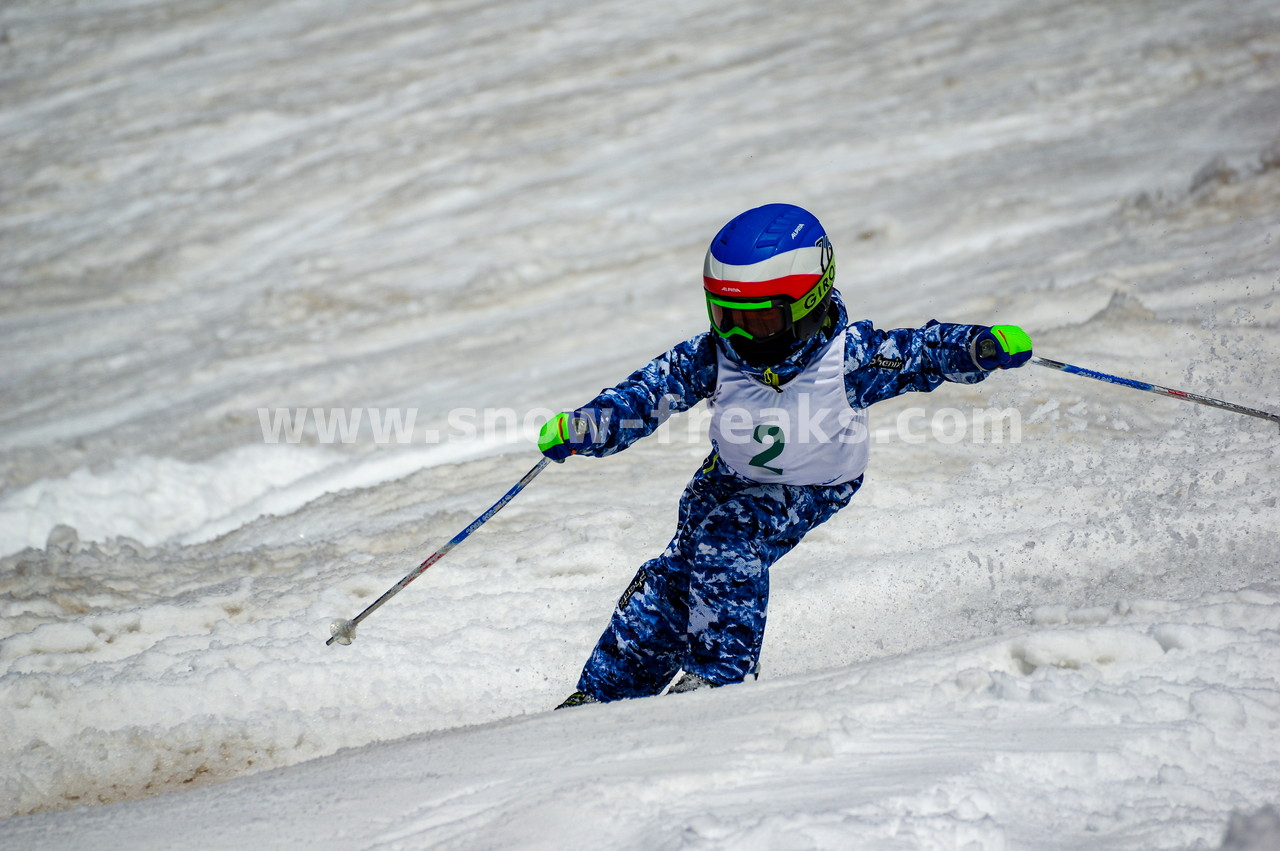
[288, 286]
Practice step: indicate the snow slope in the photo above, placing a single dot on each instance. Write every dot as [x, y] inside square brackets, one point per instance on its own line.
[470, 214]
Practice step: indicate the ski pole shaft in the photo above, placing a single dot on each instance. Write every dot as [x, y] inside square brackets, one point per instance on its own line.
[1156, 388]
[344, 631]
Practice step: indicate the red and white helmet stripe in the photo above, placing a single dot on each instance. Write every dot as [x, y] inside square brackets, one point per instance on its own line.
[792, 273]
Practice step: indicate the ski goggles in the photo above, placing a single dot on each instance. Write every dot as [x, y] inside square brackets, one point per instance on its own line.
[763, 319]
[755, 320]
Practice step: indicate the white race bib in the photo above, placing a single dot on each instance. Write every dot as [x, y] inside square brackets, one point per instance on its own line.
[803, 433]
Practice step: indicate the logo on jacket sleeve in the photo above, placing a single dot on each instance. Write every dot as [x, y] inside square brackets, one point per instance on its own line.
[882, 362]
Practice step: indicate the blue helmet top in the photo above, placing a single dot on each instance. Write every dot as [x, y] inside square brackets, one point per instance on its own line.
[766, 232]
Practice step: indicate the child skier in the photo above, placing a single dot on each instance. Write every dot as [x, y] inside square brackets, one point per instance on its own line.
[789, 378]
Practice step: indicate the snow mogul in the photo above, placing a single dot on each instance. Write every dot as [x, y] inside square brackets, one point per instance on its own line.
[788, 377]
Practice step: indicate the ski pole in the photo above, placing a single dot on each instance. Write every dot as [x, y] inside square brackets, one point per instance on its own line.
[344, 632]
[1156, 388]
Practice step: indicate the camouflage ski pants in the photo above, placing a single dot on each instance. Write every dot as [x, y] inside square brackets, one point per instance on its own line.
[700, 606]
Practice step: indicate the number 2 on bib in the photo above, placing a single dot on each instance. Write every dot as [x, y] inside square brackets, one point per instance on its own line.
[778, 442]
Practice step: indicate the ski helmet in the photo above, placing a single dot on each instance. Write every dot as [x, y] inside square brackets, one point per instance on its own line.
[768, 276]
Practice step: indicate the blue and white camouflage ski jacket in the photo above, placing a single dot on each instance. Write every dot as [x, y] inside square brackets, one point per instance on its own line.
[879, 365]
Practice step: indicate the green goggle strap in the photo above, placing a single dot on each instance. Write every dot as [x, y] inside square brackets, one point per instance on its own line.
[805, 305]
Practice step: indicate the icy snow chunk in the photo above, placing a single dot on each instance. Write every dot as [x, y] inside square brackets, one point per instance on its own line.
[1179, 636]
[49, 638]
[1092, 647]
[63, 538]
[1219, 707]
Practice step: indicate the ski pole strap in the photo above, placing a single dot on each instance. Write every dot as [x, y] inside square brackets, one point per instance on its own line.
[1156, 388]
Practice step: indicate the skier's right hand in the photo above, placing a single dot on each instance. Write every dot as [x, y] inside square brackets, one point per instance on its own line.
[563, 435]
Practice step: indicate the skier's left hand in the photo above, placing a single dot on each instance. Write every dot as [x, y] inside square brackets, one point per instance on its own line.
[563, 435]
[1001, 347]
